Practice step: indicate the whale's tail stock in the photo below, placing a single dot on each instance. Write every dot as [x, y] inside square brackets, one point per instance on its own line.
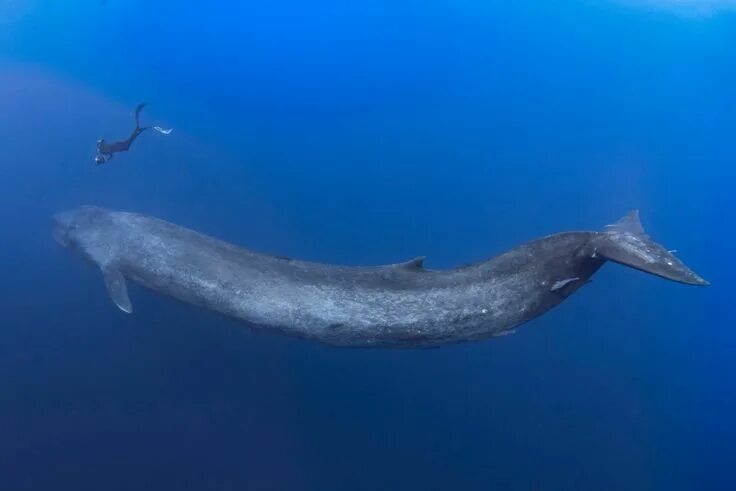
[625, 242]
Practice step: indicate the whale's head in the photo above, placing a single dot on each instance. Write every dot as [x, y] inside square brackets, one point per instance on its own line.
[78, 229]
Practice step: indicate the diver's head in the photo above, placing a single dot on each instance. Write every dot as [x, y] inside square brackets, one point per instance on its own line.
[100, 159]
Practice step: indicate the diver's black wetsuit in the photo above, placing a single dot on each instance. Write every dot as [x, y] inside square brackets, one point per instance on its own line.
[106, 150]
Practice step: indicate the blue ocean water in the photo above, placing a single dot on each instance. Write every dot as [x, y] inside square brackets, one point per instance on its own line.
[370, 132]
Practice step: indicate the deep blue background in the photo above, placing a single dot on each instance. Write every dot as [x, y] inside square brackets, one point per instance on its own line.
[369, 132]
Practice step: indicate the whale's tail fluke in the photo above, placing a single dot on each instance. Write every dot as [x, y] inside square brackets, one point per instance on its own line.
[625, 242]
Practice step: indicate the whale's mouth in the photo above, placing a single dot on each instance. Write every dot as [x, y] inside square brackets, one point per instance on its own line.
[58, 237]
[62, 224]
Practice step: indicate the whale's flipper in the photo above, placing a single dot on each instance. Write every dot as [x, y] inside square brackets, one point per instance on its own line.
[117, 289]
[625, 242]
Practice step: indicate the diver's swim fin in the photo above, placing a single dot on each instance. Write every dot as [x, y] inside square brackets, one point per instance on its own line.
[117, 289]
[625, 242]
[138, 110]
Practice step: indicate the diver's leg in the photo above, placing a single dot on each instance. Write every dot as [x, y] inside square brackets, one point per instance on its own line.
[134, 135]
[124, 145]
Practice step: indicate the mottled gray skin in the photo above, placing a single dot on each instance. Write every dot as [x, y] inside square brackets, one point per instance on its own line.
[401, 305]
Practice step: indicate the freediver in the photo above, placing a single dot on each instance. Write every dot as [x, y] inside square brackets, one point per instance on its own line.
[106, 150]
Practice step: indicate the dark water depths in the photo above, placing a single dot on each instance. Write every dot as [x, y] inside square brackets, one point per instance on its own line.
[366, 133]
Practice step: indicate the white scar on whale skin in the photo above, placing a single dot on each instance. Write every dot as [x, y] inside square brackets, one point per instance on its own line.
[394, 305]
[562, 283]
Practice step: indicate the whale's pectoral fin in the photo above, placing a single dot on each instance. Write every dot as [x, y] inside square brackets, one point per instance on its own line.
[117, 289]
[625, 242]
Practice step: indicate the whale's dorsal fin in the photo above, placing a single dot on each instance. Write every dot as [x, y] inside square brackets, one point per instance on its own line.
[630, 223]
[416, 264]
[117, 289]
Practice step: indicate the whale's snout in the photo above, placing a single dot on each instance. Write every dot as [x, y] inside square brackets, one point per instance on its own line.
[63, 224]
[75, 228]
[63, 218]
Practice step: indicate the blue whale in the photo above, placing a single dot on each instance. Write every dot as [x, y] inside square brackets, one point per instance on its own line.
[396, 305]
